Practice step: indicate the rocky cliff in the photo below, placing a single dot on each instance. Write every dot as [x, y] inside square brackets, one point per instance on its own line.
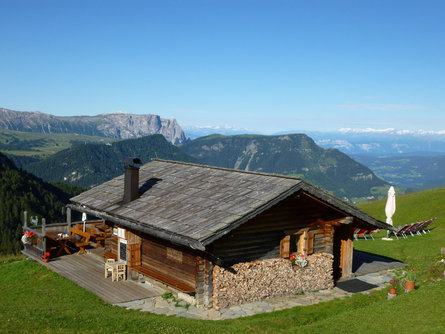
[114, 125]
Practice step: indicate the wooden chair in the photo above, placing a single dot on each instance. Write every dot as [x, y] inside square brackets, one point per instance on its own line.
[108, 269]
[120, 272]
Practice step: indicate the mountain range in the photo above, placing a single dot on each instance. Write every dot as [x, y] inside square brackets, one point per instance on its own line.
[90, 164]
[382, 142]
[112, 125]
[295, 154]
[408, 159]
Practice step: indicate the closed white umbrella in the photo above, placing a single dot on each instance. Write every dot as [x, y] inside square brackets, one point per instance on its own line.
[390, 207]
[84, 219]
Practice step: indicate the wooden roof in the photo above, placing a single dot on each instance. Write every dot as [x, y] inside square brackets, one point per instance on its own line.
[194, 205]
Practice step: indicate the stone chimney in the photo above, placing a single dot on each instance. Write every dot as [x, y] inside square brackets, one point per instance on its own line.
[131, 179]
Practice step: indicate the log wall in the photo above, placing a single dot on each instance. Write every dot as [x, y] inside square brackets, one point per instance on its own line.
[260, 237]
[169, 260]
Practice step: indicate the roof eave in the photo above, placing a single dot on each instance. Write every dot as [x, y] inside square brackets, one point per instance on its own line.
[131, 224]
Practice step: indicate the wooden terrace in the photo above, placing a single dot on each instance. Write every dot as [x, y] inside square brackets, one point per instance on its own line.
[87, 271]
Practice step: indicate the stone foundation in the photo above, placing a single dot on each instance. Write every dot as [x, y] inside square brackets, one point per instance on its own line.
[252, 281]
[204, 287]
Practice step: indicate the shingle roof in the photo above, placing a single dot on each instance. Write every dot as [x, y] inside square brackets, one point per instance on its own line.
[194, 204]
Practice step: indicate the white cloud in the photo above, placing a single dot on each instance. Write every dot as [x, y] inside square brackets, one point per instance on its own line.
[392, 131]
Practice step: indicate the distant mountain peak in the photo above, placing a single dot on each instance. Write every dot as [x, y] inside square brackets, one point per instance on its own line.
[118, 124]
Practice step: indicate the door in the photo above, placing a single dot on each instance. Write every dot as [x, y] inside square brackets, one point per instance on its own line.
[135, 255]
[343, 248]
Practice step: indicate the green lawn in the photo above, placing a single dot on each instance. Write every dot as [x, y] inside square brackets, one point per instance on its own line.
[43, 145]
[35, 300]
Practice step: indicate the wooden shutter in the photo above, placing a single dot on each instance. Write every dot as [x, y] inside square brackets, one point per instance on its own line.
[285, 246]
[310, 244]
[306, 243]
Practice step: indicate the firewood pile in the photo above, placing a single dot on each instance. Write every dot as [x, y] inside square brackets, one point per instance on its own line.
[252, 281]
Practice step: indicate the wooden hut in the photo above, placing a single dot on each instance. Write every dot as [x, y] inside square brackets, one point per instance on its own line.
[183, 224]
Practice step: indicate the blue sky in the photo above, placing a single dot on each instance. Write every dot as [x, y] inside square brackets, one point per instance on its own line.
[264, 65]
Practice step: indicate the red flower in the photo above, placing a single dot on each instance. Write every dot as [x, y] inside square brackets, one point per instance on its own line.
[302, 255]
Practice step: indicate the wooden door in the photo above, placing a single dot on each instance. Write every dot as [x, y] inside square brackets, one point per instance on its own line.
[343, 249]
[135, 255]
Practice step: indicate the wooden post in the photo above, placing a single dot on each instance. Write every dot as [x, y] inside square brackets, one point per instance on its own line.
[68, 220]
[44, 234]
[25, 218]
[347, 250]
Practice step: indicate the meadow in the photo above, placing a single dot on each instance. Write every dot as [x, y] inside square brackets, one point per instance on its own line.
[36, 300]
[42, 145]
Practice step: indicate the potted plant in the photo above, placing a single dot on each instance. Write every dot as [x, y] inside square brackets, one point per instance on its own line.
[410, 280]
[393, 286]
[45, 257]
[28, 237]
[299, 260]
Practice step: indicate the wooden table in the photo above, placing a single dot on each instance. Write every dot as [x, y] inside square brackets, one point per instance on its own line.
[61, 241]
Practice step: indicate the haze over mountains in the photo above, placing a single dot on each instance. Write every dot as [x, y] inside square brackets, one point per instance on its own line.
[382, 142]
[367, 141]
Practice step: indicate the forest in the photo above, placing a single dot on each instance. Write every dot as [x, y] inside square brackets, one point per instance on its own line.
[20, 191]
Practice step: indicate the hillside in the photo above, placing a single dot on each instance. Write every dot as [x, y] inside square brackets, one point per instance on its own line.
[295, 154]
[87, 165]
[21, 191]
[112, 125]
[29, 146]
[408, 170]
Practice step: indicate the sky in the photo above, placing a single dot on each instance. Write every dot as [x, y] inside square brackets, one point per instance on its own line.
[267, 66]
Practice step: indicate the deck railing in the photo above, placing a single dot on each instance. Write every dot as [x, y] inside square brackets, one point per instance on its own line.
[39, 246]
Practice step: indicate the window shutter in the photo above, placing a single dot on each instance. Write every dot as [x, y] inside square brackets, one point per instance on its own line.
[285, 246]
[306, 243]
[310, 244]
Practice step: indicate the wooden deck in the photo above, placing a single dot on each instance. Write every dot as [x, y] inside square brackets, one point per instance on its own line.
[87, 271]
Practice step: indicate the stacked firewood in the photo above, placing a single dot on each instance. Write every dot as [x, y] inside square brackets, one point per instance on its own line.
[252, 281]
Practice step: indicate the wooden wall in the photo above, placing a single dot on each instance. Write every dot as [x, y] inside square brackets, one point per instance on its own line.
[170, 260]
[110, 244]
[260, 237]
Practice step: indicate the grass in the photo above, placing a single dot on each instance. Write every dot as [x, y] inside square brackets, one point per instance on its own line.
[36, 300]
[45, 144]
[420, 252]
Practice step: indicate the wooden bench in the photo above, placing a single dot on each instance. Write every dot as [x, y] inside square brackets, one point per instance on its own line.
[165, 279]
[97, 236]
[84, 240]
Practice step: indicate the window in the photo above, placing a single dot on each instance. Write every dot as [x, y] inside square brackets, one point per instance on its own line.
[123, 250]
[300, 242]
[121, 233]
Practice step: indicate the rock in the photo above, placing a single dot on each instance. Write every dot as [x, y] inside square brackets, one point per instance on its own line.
[113, 125]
